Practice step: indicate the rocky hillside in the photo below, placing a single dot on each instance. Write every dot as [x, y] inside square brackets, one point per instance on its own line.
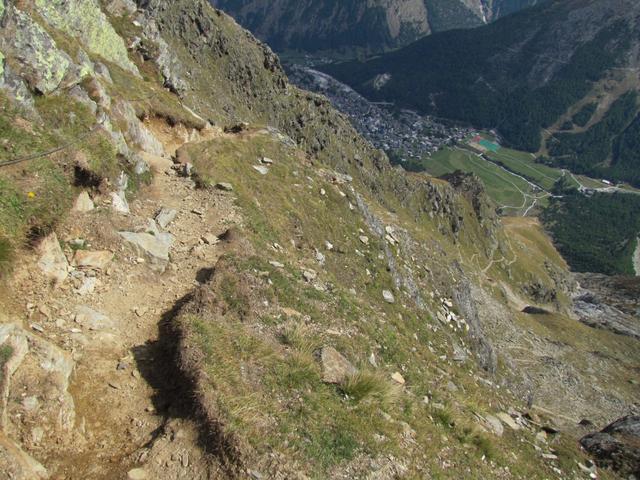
[207, 273]
[373, 26]
[559, 79]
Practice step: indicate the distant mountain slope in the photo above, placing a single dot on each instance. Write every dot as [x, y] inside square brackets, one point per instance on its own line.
[374, 25]
[527, 72]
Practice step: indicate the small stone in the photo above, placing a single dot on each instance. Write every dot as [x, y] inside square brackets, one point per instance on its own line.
[122, 365]
[508, 421]
[266, 161]
[119, 203]
[335, 367]
[165, 216]
[328, 245]
[372, 360]
[30, 404]
[364, 239]
[52, 260]
[114, 385]
[87, 286]
[309, 275]
[37, 327]
[549, 456]
[262, 170]
[44, 310]
[137, 474]
[494, 424]
[398, 378]
[210, 239]
[91, 319]
[225, 187]
[255, 475]
[155, 245]
[83, 203]
[323, 192]
[275, 264]
[388, 296]
[97, 260]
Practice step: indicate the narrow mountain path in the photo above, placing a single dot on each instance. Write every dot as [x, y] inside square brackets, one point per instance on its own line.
[128, 421]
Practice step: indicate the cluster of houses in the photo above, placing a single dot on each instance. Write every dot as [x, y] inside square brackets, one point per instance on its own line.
[404, 132]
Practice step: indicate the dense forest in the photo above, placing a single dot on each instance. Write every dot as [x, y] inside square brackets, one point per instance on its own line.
[608, 149]
[584, 114]
[595, 233]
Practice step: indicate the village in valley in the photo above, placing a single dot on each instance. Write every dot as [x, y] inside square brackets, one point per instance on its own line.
[404, 134]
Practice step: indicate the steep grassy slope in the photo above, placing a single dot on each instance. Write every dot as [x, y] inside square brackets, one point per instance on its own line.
[307, 272]
[519, 74]
[412, 280]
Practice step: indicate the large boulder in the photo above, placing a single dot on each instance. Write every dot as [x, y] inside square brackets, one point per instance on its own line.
[617, 446]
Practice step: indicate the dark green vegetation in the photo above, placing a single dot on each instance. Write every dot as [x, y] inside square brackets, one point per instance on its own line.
[584, 115]
[609, 148]
[519, 74]
[595, 233]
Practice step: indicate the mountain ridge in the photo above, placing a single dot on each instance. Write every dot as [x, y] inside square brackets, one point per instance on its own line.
[375, 26]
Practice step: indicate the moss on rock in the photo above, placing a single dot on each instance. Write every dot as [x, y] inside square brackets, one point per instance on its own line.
[85, 20]
[42, 64]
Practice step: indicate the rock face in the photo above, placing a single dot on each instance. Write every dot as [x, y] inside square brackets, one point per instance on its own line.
[609, 303]
[85, 20]
[40, 62]
[617, 446]
[374, 25]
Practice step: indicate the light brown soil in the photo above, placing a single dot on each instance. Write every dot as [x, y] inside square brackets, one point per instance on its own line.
[129, 412]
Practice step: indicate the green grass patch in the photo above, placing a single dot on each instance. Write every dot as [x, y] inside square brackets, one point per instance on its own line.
[504, 188]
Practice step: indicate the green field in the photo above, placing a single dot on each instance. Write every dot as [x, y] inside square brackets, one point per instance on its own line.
[524, 164]
[509, 191]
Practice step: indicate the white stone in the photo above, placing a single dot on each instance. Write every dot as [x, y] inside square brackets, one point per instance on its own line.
[388, 296]
[119, 203]
[52, 260]
[83, 203]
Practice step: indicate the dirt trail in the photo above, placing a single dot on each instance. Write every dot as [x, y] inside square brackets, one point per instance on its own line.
[128, 410]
